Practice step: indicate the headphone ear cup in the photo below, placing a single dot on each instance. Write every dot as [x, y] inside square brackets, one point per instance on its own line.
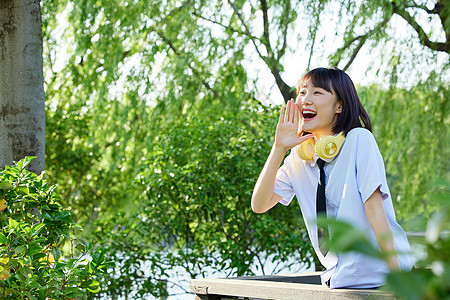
[306, 149]
[329, 146]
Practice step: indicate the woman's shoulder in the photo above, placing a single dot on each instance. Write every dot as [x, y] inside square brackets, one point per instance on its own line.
[360, 136]
[360, 133]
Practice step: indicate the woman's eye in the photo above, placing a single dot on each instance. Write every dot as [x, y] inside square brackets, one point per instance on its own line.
[317, 92]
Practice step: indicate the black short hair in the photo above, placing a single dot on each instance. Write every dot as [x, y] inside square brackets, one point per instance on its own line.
[337, 82]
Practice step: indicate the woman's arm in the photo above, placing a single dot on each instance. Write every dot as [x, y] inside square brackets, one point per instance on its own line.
[380, 225]
[286, 137]
[263, 197]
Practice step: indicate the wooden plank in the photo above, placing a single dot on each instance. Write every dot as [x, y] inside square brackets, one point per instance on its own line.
[261, 289]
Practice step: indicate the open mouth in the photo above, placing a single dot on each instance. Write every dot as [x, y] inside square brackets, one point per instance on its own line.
[308, 114]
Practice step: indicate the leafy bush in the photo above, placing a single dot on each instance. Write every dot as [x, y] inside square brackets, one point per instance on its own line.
[34, 228]
[193, 211]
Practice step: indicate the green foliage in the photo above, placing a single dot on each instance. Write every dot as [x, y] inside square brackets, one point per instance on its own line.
[134, 66]
[134, 94]
[193, 207]
[411, 128]
[347, 238]
[34, 227]
[429, 279]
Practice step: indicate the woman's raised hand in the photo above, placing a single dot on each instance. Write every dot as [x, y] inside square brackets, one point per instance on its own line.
[288, 132]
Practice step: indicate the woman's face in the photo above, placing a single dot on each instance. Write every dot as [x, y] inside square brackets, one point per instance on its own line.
[319, 110]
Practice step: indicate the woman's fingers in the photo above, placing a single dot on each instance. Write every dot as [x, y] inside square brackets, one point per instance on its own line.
[280, 120]
[307, 137]
[289, 116]
[292, 112]
[296, 113]
[288, 112]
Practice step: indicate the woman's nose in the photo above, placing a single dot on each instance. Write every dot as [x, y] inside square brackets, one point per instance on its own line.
[305, 100]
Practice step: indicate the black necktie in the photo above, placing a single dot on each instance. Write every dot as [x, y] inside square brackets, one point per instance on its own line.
[321, 207]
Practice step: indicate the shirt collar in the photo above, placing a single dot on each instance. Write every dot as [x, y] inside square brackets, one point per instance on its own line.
[316, 157]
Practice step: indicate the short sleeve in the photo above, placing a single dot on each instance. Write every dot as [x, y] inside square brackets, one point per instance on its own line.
[283, 186]
[370, 171]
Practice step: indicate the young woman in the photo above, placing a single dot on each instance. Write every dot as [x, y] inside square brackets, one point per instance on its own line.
[328, 112]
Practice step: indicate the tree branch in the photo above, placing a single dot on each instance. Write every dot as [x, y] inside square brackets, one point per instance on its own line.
[247, 31]
[413, 4]
[287, 12]
[355, 52]
[271, 62]
[284, 88]
[362, 39]
[178, 53]
[423, 38]
[266, 40]
[311, 51]
[226, 27]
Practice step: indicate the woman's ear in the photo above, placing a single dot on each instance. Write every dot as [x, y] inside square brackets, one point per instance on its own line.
[338, 107]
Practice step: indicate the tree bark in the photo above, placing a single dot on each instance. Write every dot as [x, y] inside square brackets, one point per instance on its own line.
[22, 102]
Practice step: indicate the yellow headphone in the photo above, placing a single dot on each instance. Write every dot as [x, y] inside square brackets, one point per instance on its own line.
[326, 147]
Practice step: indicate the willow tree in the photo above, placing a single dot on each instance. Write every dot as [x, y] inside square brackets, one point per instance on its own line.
[22, 122]
[123, 58]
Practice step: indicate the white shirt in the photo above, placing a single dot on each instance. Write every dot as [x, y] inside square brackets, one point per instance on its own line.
[351, 178]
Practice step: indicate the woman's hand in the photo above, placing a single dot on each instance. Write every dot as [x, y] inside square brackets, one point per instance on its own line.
[288, 134]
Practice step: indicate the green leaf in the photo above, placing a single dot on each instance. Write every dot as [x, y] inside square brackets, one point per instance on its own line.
[20, 249]
[94, 287]
[32, 250]
[24, 190]
[40, 255]
[98, 257]
[71, 262]
[36, 229]
[64, 216]
[407, 285]
[72, 292]
[435, 225]
[4, 185]
[3, 239]
[81, 247]
[13, 224]
[43, 292]
[40, 239]
[60, 266]
[26, 161]
[347, 238]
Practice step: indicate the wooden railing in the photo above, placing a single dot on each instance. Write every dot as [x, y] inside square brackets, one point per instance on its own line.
[279, 287]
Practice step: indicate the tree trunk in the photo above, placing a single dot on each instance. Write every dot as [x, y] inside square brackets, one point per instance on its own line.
[22, 103]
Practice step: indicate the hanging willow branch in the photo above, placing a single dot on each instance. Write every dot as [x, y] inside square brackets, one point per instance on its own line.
[423, 37]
